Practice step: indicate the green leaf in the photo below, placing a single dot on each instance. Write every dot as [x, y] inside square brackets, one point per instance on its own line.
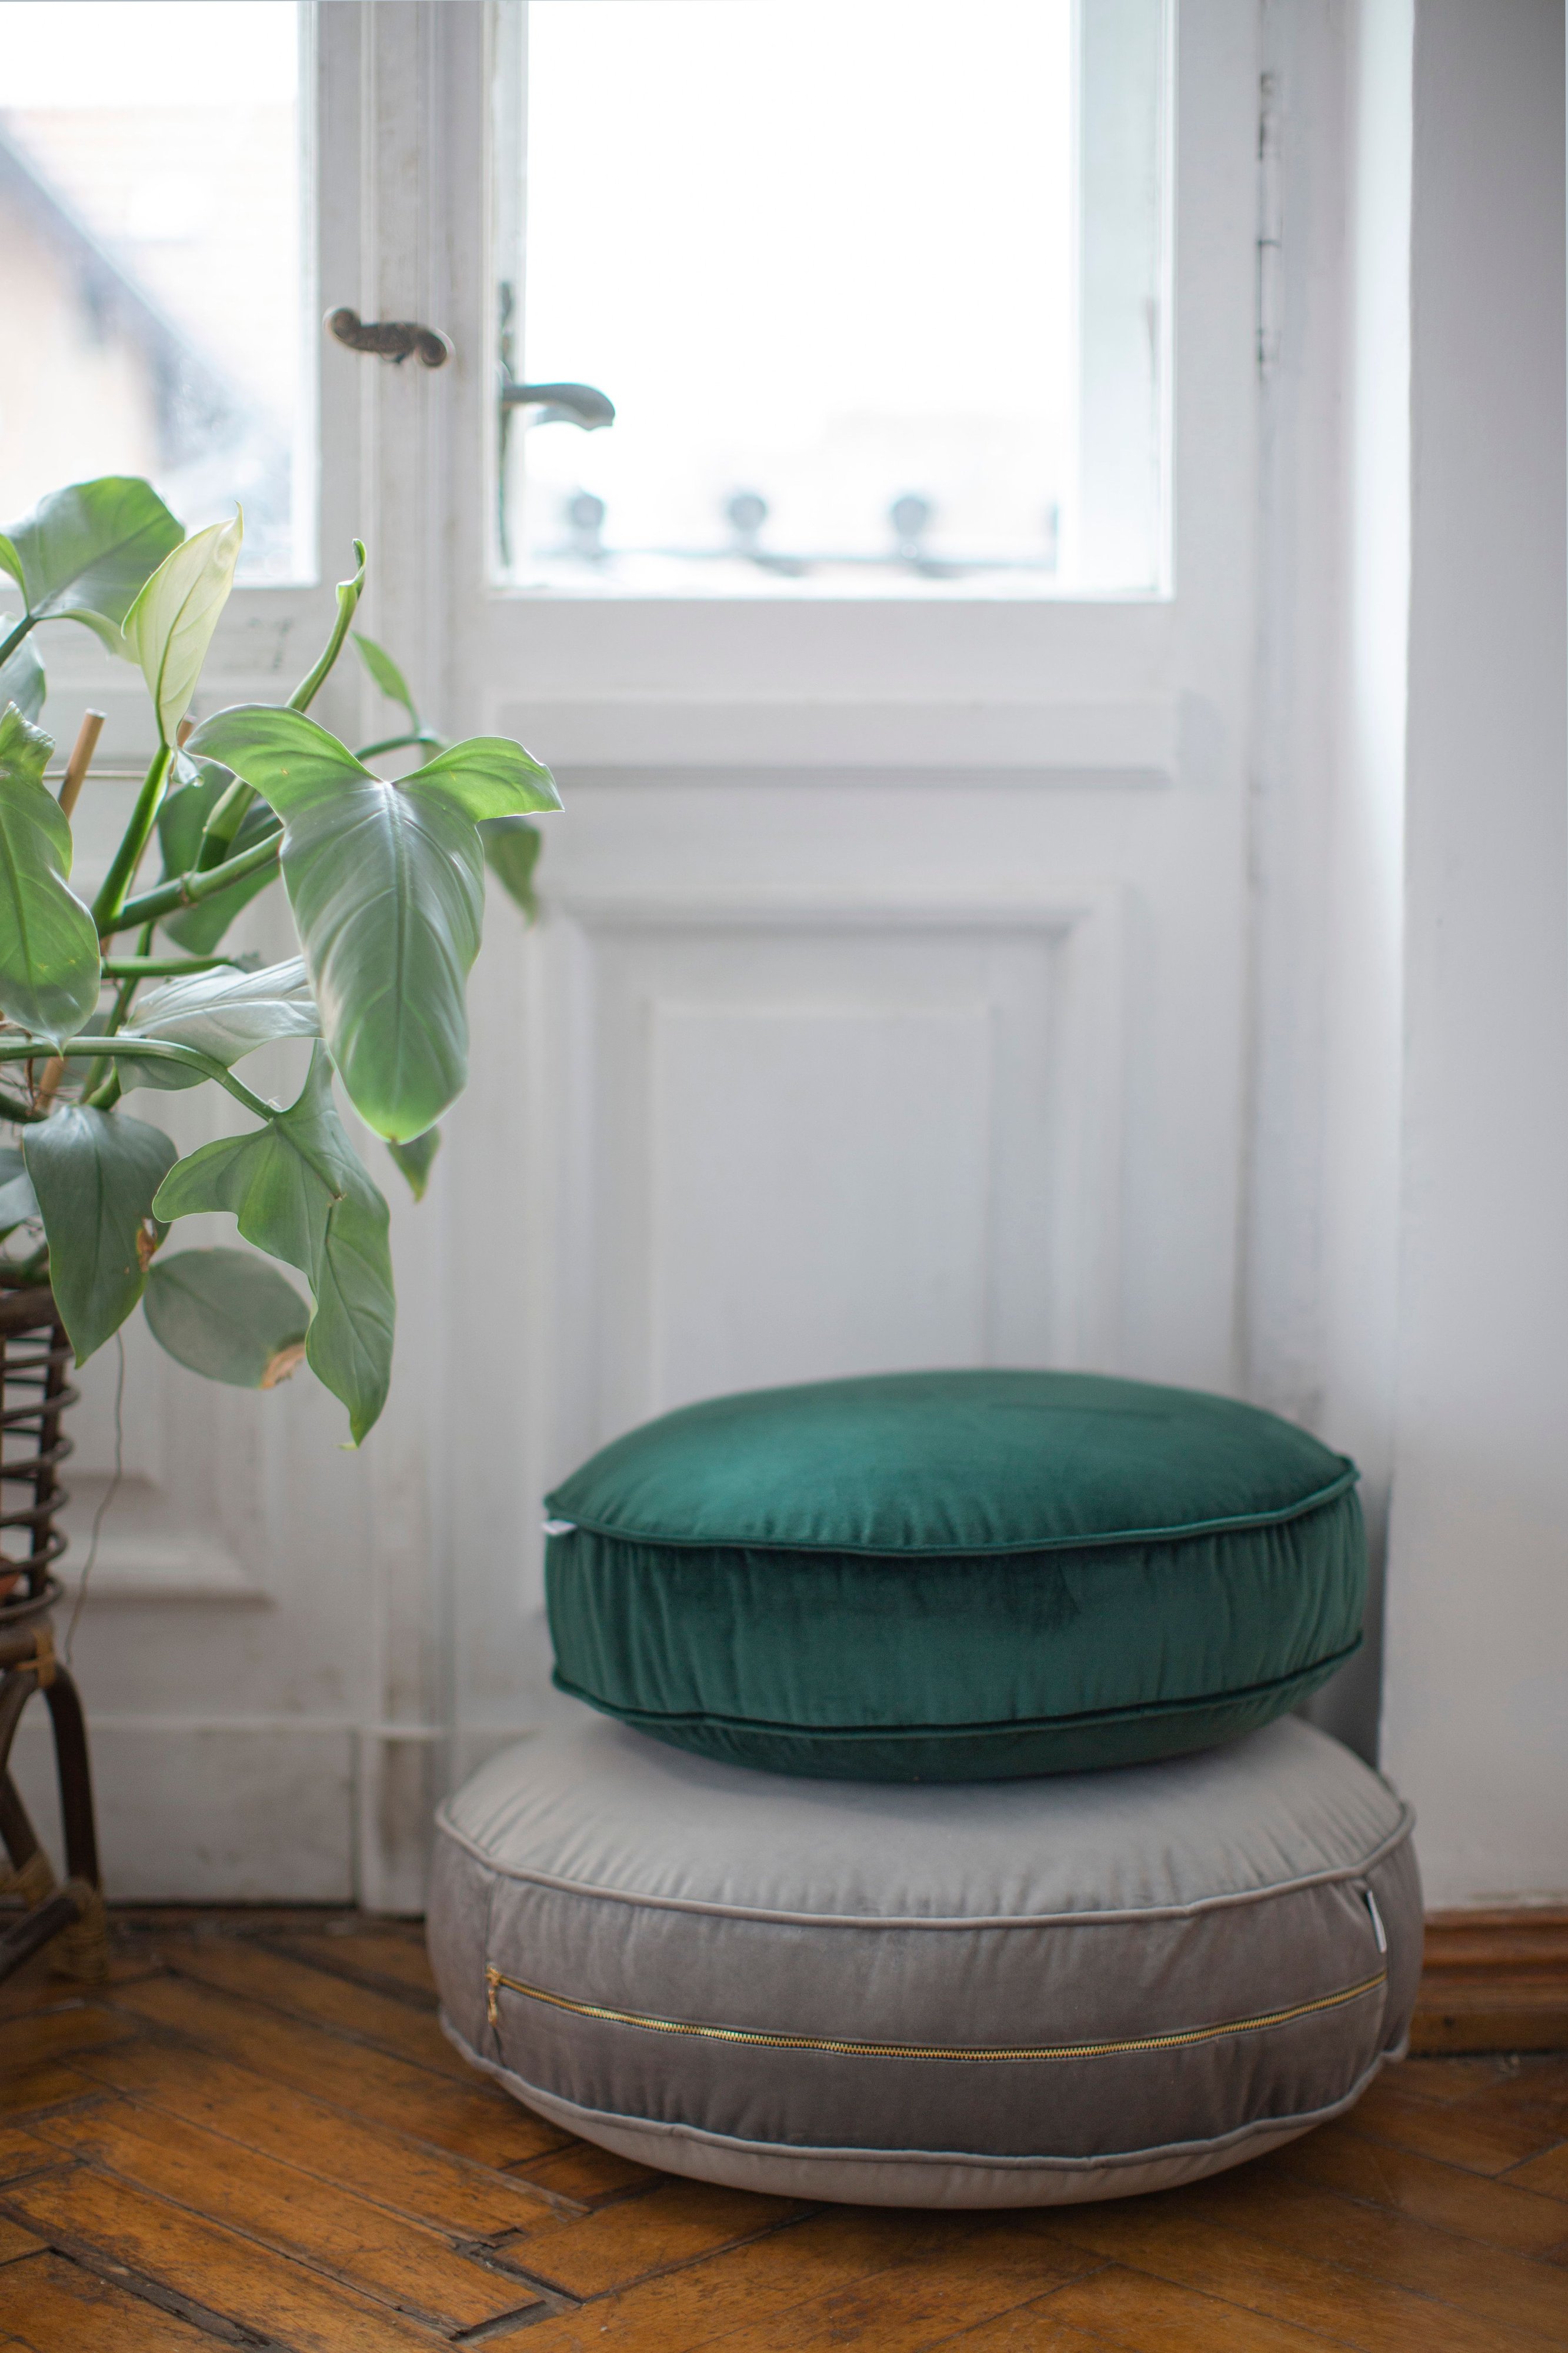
[298, 1192]
[488, 776]
[280, 1181]
[387, 676]
[386, 886]
[416, 1157]
[48, 949]
[171, 625]
[18, 1202]
[22, 676]
[202, 784]
[95, 1173]
[511, 851]
[348, 1344]
[226, 1014]
[227, 1316]
[84, 554]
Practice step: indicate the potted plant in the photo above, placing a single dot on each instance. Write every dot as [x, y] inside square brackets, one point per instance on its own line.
[385, 881]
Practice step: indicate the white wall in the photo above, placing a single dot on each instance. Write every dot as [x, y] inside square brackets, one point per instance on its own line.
[1323, 1219]
[1475, 1696]
[1363, 1060]
[1407, 1289]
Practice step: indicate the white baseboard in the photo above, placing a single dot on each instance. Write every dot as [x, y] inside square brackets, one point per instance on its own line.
[263, 1810]
[254, 1810]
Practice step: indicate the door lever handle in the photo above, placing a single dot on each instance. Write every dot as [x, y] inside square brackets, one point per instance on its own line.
[390, 339]
[581, 405]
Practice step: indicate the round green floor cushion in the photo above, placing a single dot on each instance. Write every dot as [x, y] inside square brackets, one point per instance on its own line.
[964, 1576]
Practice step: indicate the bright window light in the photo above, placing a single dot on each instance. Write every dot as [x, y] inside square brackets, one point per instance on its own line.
[833, 262]
[151, 260]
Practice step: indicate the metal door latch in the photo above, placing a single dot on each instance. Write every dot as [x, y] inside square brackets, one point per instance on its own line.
[390, 339]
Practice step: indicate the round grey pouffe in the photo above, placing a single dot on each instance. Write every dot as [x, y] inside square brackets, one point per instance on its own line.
[989, 1994]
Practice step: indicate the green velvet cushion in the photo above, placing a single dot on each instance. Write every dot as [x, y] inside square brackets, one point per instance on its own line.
[955, 1576]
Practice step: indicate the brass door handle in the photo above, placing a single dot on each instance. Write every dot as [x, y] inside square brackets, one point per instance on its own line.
[390, 339]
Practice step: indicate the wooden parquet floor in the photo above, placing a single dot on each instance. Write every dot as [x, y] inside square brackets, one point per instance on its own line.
[256, 2136]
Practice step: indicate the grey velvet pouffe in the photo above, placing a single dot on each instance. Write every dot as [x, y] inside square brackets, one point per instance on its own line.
[993, 1994]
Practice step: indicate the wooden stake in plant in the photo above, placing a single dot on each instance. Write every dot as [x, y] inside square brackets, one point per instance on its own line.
[71, 782]
[80, 760]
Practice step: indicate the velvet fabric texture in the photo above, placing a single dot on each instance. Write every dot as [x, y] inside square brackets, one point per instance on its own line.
[955, 1576]
[1013, 1994]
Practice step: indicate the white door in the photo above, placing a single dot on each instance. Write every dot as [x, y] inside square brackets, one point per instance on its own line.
[888, 1003]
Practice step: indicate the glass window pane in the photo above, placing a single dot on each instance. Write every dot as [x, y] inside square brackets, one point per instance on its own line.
[833, 262]
[151, 260]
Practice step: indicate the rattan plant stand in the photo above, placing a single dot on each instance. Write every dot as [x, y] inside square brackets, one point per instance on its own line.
[34, 1359]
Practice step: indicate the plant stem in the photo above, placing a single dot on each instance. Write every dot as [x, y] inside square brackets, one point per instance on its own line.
[155, 968]
[157, 1049]
[20, 1114]
[223, 823]
[16, 636]
[400, 743]
[107, 908]
[128, 983]
[189, 889]
[305, 693]
[102, 1088]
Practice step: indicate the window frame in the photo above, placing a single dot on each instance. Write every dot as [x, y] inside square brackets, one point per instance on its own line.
[1112, 688]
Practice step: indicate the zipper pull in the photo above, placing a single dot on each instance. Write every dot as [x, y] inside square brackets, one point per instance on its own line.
[492, 1987]
[1378, 1929]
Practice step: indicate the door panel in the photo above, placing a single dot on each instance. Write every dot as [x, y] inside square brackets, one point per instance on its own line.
[825, 1135]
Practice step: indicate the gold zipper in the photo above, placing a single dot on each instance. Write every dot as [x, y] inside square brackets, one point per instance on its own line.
[495, 1980]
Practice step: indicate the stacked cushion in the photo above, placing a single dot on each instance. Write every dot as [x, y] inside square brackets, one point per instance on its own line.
[955, 1576]
[1017, 1994]
[821, 1979]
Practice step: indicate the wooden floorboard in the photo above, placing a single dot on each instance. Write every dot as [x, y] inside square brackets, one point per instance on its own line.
[255, 2136]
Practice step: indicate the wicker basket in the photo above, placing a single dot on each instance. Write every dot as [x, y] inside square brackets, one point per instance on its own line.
[34, 1359]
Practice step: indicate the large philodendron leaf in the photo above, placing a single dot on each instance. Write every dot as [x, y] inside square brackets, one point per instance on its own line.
[386, 882]
[226, 1014]
[349, 1344]
[84, 554]
[298, 1192]
[415, 1159]
[95, 1172]
[21, 674]
[200, 784]
[171, 625]
[229, 1316]
[487, 776]
[49, 947]
[511, 848]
